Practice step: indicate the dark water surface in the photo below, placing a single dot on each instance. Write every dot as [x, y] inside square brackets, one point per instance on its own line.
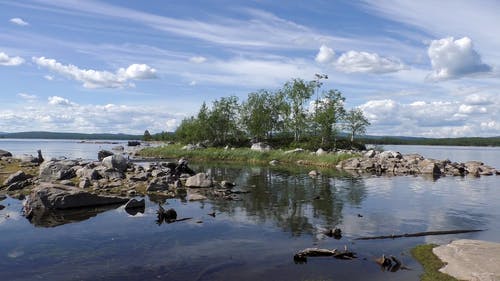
[256, 238]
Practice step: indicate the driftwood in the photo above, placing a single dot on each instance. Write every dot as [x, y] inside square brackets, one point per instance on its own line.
[301, 256]
[418, 234]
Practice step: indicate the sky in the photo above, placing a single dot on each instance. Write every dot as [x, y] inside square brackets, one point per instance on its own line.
[416, 68]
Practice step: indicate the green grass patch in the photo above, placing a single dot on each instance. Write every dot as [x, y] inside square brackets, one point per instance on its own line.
[431, 264]
[244, 155]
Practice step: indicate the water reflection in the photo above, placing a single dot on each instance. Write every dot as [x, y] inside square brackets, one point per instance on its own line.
[52, 218]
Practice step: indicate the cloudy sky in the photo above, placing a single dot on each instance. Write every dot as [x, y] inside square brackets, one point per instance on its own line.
[416, 68]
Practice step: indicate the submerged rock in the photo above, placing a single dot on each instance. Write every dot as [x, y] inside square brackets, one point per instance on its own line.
[199, 180]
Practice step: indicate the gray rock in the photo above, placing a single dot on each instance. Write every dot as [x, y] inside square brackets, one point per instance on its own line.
[274, 162]
[196, 197]
[4, 153]
[101, 154]
[84, 183]
[53, 170]
[117, 162]
[134, 203]
[118, 148]
[260, 146]
[48, 196]
[199, 180]
[370, 153]
[227, 184]
[157, 184]
[313, 173]
[296, 150]
[320, 151]
[16, 177]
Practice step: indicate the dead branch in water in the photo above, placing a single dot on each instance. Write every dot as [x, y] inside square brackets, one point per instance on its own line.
[301, 256]
[418, 234]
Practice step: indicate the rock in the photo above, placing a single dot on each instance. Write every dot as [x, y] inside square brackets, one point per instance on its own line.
[2, 207]
[134, 203]
[117, 148]
[16, 177]
[84, 183]
[4, 153]
[227, 184]
[49, 196]
[53, 170]
[470, 259]
[429, 167]
[117, 162]
[157, 184]
[313, 173]
[3, 197]
[370, 153]
[296, 150]
[103, 154]
[196, 197]
[320, 151]
[199, 180]
[134, 143]
[260, 146]
[90, 172]
[274, 162]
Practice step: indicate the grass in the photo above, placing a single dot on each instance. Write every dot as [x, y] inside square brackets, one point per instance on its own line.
[431, 264]
[244, 155]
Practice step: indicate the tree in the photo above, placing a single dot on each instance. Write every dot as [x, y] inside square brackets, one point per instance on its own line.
[355, 122]
[147, 136]
[260, 114]
[223, 120]
[297, 92]
[328, 112]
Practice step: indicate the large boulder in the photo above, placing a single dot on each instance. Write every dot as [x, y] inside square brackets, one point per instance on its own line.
[53, 170]
[199, 180]
[429, 167]
[4, 153]
[16, 177]
[49, 196]
[117, 162]
[260, 146]
[103, 154]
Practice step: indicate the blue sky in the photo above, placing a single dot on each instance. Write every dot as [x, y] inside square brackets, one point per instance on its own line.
[416, 68]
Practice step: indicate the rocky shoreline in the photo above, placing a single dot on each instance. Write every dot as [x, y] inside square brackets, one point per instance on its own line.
[395, 163]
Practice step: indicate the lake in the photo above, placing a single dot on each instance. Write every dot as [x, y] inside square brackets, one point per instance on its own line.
[255, 238]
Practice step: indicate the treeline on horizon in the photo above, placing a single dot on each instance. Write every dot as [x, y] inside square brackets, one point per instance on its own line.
[71, 136]
[463, 141]
[299, 114]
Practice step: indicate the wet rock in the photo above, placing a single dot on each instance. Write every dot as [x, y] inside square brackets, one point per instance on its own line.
[370, 153]
[227, 184]
[196, 197]
[3, 197]
[134, 143]
[134, 204]
[429, 167]
[2, 207]
[274, 162]
[117, 162]
[201, 180]
[84, 183]
[157, 184]
[320, 151]
[313, 173]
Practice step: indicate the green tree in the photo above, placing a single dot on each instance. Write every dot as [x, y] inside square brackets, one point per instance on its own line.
[328, 111]
[260, 114]
[297, 92]
[223, 120]
[147, 136]
[355, 122]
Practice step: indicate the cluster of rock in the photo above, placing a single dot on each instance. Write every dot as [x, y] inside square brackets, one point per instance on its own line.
[64, 184]
[395, 163]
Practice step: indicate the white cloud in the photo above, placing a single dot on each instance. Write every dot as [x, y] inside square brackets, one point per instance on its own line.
[325, 54]
[452, 59]
[99, 79]
[193, 83]
[55, 100]
[19, 21]
[197, 59]
[49, 77]
[479, 99]
[353, 61]
[28, 97]
[10, 61]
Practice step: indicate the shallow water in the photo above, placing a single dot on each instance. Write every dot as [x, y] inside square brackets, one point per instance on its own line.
[256, 238]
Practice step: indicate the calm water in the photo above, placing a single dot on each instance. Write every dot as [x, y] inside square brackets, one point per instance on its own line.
[255, 239]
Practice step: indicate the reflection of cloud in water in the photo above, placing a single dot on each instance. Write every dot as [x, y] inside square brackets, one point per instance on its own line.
[9, 215]
[16, 253]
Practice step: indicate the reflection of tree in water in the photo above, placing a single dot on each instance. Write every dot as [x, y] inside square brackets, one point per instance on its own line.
[290, 198]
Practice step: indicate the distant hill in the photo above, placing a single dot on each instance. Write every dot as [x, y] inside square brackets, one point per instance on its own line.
[79, 136]
[465, 141]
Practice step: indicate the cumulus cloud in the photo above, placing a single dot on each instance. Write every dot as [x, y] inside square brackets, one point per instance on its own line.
[431, 119]
[363, 62]
[99, 79]
[49, 77]
[198, 59]
[19, 21]
[10, 61]
[55, 100]
[325, 54]
[451, 59]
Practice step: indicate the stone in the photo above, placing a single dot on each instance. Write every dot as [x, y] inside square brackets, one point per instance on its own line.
[16, 177]
[260, 146]
[53, 170]
[313, 173]
[320, 151]
[117, 148]
[49, 196]
[134, 203]
[429, 167]
[101, 154]
[84, 183]
[470, 259]
[189, 147]
[4, 153]
[133, 143]
[227, 184]
[293, 151]
[157, 184]
[199, 180]
[370, 153]
[117, 162]
[274, 162]
[196, 197]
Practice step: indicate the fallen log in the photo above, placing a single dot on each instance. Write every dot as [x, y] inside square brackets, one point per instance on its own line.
[301, 256]
[418, 234]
